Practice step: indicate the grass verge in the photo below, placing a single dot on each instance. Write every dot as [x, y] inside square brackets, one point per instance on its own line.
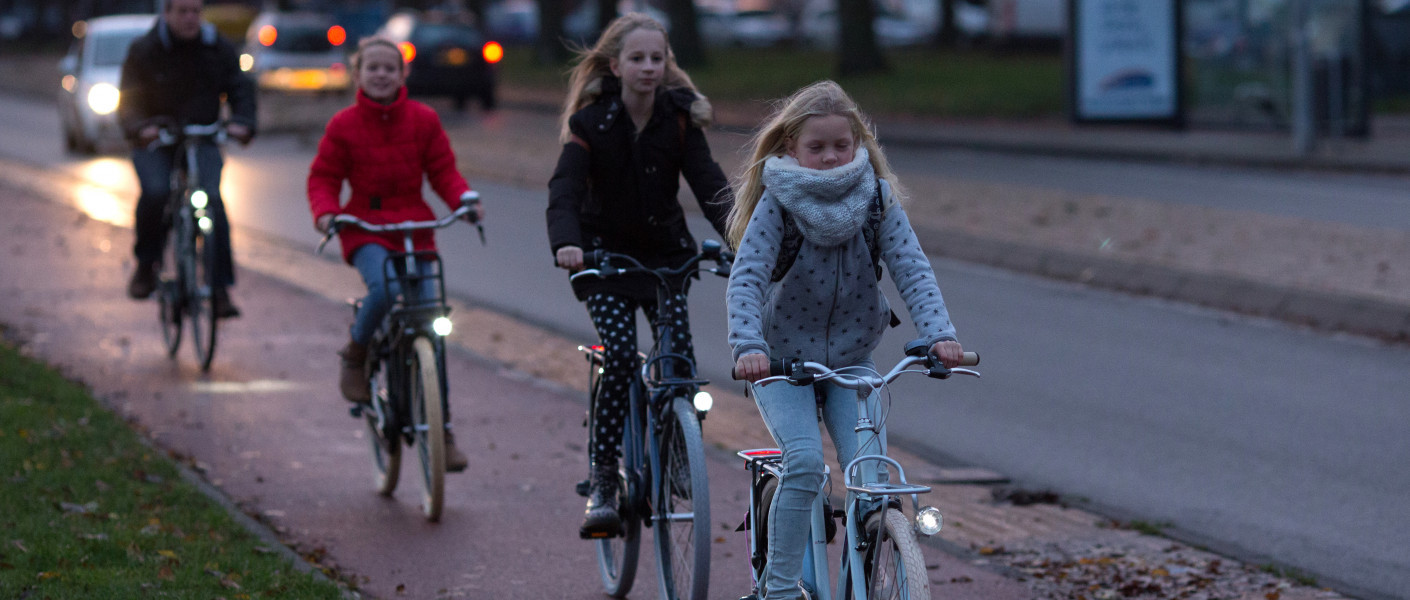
[922, 82]
[89, 511]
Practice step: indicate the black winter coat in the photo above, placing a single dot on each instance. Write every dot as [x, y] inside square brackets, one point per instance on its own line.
[168, 81]
[616, 190]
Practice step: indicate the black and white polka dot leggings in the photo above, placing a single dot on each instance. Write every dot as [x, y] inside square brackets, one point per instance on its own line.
[615, 319]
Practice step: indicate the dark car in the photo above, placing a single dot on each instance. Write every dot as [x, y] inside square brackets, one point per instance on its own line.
[449, 56]
[296, 52]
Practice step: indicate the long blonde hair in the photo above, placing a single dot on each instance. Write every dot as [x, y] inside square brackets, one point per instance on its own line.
[592, 64]
[820, 99]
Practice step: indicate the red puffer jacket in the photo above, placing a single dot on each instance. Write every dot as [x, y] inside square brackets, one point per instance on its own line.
[383, 151]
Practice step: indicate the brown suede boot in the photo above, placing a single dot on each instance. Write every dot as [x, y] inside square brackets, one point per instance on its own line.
[352, 381]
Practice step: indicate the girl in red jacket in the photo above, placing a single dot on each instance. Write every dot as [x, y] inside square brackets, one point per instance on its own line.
[382, 146]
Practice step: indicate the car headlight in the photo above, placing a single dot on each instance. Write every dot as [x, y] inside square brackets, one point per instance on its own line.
[103, 98]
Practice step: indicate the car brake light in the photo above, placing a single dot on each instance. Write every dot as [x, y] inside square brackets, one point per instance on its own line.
[267, 35]
[408, 51]
[337, 35]
[493, 52]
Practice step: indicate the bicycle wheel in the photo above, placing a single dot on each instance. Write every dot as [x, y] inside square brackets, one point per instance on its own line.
[682, 510]
[200, 298]
[428, 425]
[169, 297]
[895, 568]
[382, 430]
[617, 556]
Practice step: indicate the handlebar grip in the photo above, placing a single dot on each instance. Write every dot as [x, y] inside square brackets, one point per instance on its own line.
[969, 359]
[593, 260]
[777, 366]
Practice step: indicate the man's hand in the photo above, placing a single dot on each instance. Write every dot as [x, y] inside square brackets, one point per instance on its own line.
[323, 222]
[239, 131]
[949, 352]
[752, 367]
[147, 135]
[571, 258]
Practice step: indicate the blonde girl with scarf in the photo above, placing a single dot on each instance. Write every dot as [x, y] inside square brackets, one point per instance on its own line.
[816, 162]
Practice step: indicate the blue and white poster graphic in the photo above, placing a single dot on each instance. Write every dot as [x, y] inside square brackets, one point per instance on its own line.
[1126, 59]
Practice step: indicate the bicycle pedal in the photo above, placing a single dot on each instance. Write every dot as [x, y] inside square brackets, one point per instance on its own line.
[355, 411]
[584, 488]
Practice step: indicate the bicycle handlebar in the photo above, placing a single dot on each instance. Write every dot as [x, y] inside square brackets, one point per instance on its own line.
[343, 220]
[598, 263]
[171, 136]
[798, 372]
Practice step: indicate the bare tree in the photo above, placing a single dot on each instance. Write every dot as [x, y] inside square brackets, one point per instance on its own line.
[685, 33]
[549, 48]
[857, 50]
[949, 33]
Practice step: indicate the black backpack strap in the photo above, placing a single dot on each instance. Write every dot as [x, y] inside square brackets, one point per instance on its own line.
[872, 230]
[788, 247]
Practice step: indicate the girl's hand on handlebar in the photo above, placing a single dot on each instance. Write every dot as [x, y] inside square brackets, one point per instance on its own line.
[570, 257]
[323, 222]
[949, 352]
[752, 367]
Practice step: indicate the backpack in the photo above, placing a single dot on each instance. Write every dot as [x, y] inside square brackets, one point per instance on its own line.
[793, 240]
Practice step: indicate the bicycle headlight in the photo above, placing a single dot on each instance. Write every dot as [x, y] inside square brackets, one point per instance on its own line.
[103, 98]
[441, 326]
[199, 199]
[703, 401]
[205, 224]
[928, 520]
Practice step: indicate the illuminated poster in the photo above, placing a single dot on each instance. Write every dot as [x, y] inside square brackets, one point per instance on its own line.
[1124, 61]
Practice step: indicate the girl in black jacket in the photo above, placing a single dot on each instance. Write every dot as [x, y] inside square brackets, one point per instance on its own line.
[631, 126]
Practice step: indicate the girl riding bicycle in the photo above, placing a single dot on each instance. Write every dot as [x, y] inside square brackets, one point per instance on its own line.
[817, 207]
[383, 145]
[630, 127]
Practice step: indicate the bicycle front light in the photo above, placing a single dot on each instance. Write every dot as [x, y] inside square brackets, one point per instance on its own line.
[703, 401]
[199, 199]
[928, 520]
[441, 326]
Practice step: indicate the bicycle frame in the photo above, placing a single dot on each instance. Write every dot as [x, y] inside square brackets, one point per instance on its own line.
[662, 451]
[185, 220]
[868, 484]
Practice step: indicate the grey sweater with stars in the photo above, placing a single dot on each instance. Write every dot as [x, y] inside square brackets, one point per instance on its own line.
[829, 307]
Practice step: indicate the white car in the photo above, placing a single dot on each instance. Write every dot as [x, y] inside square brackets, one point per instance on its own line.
[88, 93]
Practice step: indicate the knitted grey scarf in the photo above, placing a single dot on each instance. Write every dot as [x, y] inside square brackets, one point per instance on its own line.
[828, 206]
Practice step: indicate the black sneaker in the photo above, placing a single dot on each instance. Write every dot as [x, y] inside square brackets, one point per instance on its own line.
[143, 282]
[223, 307]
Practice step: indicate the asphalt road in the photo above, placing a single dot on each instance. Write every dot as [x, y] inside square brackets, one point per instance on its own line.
[1249, 436]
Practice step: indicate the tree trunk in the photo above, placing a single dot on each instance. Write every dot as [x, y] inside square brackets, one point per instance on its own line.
[606, 11]
[949, 33]
[549, 48]
[857, 50]
[685, 34]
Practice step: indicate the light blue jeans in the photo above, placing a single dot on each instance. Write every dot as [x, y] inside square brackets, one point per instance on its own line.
[370, 261]
[791, 414]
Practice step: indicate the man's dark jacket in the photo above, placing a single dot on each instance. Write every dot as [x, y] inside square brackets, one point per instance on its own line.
[168, 81]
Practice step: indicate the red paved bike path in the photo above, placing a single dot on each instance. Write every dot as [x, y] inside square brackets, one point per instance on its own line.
[267, 427]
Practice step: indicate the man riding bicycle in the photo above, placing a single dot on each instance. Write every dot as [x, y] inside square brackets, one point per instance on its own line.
[176, 75]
